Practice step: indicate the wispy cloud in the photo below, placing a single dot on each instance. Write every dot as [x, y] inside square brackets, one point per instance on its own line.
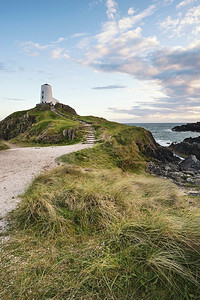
[10, 67]
[111, 9]
[168, 1]
[59, 53]
[109, 87]
[184, 3]
[129, 22]
[94, 3]
[33, 49]
[185, 24]
[12, 99]
[59, 40]
[131, 11]
[77, 35]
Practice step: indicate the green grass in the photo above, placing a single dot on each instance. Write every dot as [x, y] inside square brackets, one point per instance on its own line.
[99, 227]
[120, 146]
[3, 146]
[48, 129]
[88, 234]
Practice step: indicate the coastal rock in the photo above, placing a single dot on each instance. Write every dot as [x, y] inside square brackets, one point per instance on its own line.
[175, 172]
[188, 127]
[191, 163]
[189, 146]
[155, 151]
[192, 140]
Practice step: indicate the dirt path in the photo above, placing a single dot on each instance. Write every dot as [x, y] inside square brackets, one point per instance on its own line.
[18, 167]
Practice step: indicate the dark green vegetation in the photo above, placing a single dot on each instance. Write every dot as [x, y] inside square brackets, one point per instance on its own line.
[94, 228]
[41, 125]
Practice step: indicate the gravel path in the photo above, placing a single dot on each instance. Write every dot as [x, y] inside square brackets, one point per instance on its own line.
[18, 167]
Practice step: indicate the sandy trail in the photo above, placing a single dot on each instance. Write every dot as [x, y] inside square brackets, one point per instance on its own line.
[18, 167]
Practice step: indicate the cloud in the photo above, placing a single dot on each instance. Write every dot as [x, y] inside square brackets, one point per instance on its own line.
[83, 43]
[32, 48]
[78, 34]
[111, 8]
[129, 22]
[161, 111]
[184, 3]
[109, 87]
[185, 24]
[12, 99]
[59, 53]
[35, 49]
[131, 11]
[10, 67]
[120, 47]
[168, 1]
[94, 3]
[59, 40]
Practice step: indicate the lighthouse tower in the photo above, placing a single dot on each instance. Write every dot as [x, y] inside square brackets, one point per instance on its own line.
[46, 95]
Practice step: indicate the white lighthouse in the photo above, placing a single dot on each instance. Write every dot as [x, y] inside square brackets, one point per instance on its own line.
[46, 95]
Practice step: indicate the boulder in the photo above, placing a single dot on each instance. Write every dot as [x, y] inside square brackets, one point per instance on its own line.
[190, 146]
[191, 163]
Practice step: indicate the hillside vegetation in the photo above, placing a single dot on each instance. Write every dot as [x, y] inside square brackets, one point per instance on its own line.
[83, 233]
[99, 227]
[41, 125]
[3, 146]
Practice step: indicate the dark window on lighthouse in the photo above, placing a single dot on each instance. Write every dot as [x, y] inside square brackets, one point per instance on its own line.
[42, 97]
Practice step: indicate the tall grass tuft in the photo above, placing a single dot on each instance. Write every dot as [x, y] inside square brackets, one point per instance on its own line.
[88, 234]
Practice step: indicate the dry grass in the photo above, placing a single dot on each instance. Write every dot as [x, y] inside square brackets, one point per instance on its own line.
[3, 146]
[88, 234]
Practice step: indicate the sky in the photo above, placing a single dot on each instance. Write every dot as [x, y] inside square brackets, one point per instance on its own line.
[124, 60]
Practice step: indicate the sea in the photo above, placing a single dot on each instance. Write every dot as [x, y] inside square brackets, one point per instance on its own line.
[163, 133]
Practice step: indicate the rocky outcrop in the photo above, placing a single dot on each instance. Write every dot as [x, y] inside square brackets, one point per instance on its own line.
[70, 134]
[188, 127]
[189, 146]
[153, 150]
[190, 164]
[50, 137]
[15, 124]
[66, 108]
[184, 173]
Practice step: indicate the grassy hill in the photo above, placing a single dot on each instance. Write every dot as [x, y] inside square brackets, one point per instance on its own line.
[41, 125]
[99, 227]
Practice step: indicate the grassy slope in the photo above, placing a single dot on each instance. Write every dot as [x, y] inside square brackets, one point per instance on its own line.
[3, 146]
[48, 124]
[92, 230]
[119, 145]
